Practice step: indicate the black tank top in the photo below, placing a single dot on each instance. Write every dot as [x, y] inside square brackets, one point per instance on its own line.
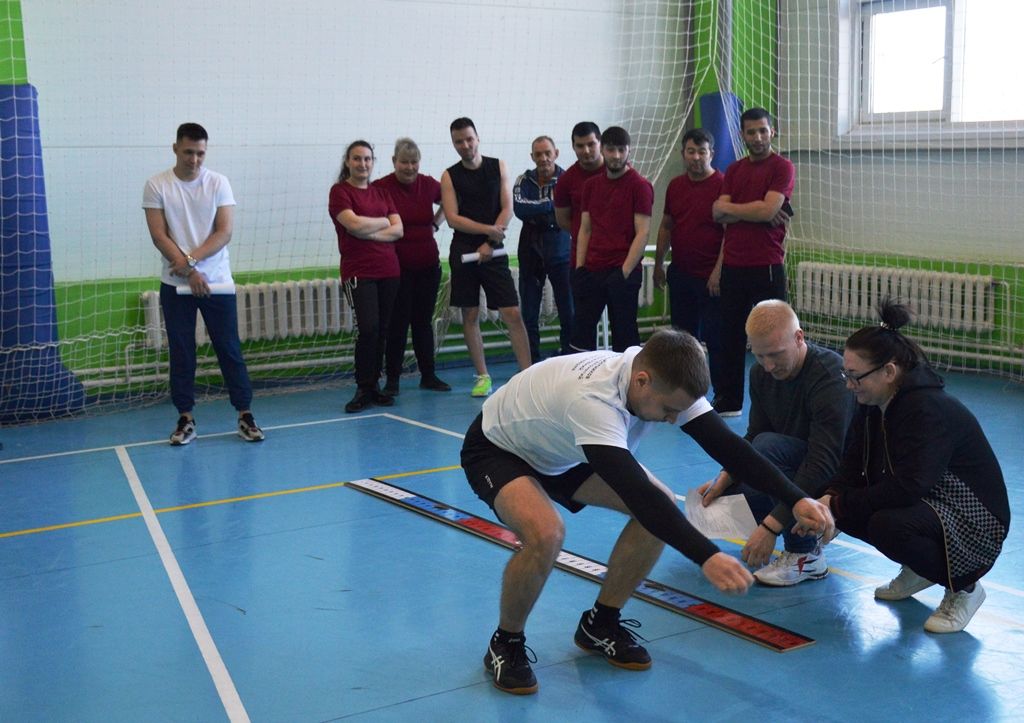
[478, 193]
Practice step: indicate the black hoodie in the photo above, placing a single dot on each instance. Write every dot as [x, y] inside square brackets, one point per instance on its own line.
[926, 446]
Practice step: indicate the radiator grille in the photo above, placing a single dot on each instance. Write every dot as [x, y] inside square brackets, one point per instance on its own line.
[278, 310]
[942, 300]
[289, 309]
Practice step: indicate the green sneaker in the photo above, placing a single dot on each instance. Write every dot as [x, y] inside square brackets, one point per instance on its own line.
[482, 386]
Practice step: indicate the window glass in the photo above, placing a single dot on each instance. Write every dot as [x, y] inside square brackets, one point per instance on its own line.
[989, 84]
[907, 60]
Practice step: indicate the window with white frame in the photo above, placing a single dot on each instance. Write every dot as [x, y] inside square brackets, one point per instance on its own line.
[939, 62]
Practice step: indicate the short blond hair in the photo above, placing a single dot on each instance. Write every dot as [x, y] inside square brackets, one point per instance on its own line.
[771, 315]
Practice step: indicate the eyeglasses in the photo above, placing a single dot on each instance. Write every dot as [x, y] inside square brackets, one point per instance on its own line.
[849, 376]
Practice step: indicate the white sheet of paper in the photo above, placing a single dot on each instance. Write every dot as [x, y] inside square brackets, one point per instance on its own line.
[186, 290]
[469, 258]
[727, 517]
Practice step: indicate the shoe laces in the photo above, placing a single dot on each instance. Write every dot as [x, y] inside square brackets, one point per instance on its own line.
[624, 630]
[518, 653]
[786, 559]
[948, 607]
[248, 420]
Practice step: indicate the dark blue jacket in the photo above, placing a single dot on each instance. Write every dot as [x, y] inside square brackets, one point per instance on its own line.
[542, 243]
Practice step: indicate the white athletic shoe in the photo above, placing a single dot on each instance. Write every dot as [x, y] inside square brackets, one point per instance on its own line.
[791, 568]
[902, 586]
[955, 610]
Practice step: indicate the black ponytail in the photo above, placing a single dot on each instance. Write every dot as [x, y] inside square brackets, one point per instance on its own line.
[884, 342]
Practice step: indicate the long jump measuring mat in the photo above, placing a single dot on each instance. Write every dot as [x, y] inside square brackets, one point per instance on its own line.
[736, 623]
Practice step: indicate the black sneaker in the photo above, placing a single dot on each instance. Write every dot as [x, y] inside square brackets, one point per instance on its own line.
[726, 409]
[392, 388]
[434, 384]
[360, 401]
[185, 431]
[509, 665]
[381, 399]
[248, 429]
[617, 644]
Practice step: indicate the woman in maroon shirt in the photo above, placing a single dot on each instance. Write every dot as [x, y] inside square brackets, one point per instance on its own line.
[415, 195]
[368, 225]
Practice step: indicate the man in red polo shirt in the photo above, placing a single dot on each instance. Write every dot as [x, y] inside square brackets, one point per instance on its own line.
[688, 228]
[614, 227]
[754, 205]
[586, 143]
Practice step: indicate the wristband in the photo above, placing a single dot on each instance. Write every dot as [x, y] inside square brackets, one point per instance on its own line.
[770, 529]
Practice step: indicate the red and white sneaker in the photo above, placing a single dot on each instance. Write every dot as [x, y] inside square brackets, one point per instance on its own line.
[791, 568]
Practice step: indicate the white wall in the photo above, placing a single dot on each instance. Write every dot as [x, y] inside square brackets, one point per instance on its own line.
[282, 89]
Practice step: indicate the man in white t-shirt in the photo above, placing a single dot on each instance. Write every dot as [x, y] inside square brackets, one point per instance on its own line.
[540, 440]
[189, 212]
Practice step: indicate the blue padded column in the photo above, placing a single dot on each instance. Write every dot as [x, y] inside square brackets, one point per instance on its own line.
[34, 384]
[720, 116]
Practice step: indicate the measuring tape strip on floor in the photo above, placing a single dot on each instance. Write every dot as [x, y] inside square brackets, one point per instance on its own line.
[740, 624]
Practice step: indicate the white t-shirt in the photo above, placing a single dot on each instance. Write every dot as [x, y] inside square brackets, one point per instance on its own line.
[545, 413]
[190, 208]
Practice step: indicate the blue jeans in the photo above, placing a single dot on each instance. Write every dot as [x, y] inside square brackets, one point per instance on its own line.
[696, 311]
[787, 453]
[220, 313]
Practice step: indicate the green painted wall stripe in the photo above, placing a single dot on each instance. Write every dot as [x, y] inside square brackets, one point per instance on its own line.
[13, 68]
[755, 53]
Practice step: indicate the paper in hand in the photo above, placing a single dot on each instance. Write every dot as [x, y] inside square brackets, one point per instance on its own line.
[727, 517]
[217, 288]
[470, 258]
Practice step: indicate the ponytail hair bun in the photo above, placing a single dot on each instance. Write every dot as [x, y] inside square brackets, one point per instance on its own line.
[884, 342]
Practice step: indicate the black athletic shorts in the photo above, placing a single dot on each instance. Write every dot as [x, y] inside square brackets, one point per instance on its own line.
[492, 276]
[489, 468]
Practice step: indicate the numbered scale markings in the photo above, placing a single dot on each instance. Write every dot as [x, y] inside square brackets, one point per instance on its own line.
[745, 626]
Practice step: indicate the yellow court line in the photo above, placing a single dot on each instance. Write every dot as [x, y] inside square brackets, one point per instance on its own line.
[212, 503]
[66, 525]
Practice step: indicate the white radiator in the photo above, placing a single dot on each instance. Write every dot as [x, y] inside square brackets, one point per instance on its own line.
[962, 302]
[282, 310]
[547, 301]
[278, 310]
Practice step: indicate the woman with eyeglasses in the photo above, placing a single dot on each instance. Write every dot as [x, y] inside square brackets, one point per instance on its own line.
[919, 480]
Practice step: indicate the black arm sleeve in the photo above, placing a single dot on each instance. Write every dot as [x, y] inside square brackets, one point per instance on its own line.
[740, 459]
[648, 504]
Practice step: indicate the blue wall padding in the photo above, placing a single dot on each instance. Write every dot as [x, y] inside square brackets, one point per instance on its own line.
[720, 116]
[34, 384]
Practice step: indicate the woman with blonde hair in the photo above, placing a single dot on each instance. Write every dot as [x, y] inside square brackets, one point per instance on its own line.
[415, 196]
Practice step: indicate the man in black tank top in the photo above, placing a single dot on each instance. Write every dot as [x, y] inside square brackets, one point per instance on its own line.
[477, 202]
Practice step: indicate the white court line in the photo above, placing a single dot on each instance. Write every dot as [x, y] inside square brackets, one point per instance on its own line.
[440, 430]
[214, 664]
[108, 448]
[430, 427]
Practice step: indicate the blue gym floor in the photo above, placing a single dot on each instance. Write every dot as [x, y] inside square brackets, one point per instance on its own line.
[263, 588]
